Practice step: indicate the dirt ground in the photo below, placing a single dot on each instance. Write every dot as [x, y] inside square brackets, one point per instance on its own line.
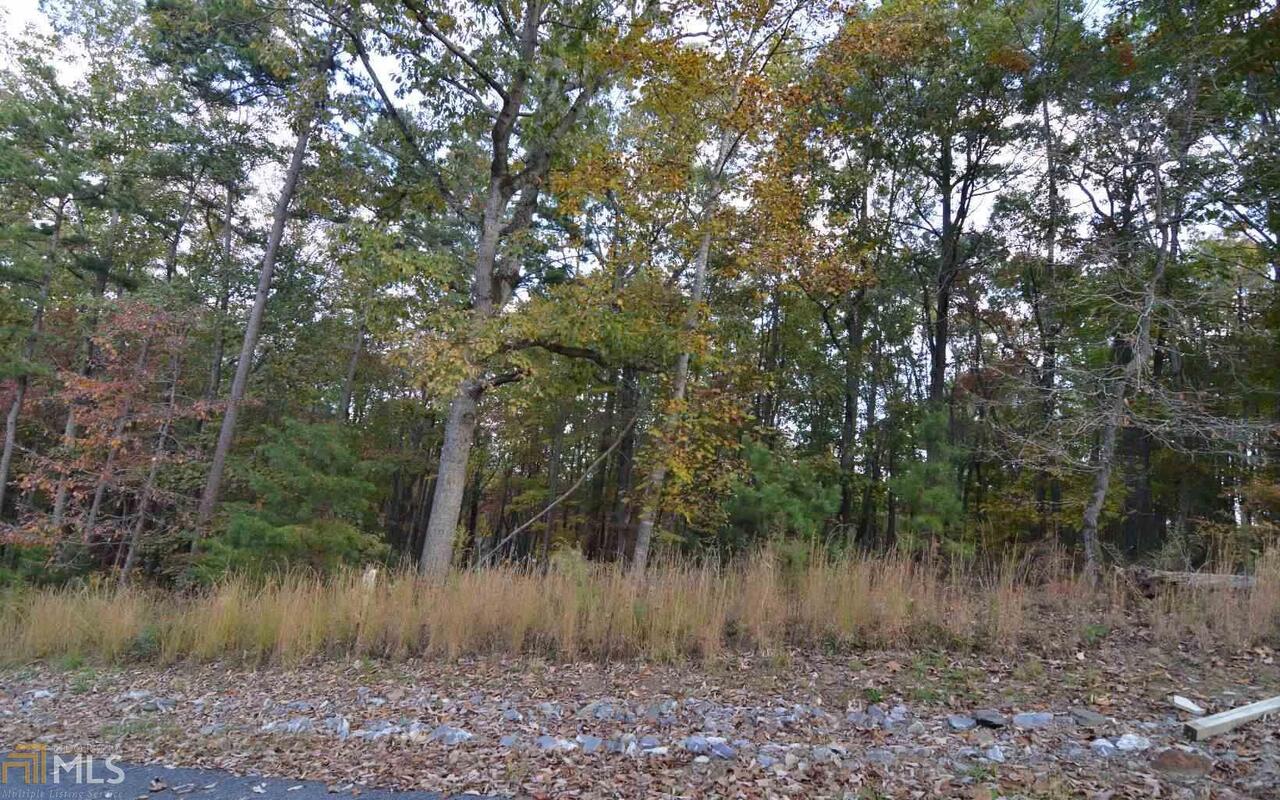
[859, 725]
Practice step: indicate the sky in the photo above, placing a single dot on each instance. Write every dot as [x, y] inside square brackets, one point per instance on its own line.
[17, 14]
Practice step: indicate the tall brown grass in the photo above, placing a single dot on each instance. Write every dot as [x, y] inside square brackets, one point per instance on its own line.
[591, 611]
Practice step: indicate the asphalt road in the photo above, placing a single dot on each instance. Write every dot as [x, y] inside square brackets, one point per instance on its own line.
[194, 784]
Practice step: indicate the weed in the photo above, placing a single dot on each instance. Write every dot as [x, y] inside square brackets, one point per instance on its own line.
[678, 611]
[1029, 669]
[1095, 632]
[82, 681]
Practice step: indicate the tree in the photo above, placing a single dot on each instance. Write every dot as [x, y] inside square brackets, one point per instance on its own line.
[315, 60]
[45, 164]
[530, 82]
[744, 48]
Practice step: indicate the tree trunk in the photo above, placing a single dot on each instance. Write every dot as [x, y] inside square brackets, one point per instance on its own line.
[1115, 412]
[628, 408]
[948, 258]
[1046, 314]
[852, 394]
[875, 443]
[28, 353]
[451, 481]
[149, 486]
[209, 499]
[597, 527]
[770, 363]
[349, 380]
[446, 505]
[496, 528]
[224, 301]
[679, 384]
[61, 496]
[64, 481]
[553, 479]
[941, 337]
[1168, 220]
[113, 449]
[171, 258]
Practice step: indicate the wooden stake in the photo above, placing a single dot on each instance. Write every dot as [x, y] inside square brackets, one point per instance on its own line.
[1203, 728]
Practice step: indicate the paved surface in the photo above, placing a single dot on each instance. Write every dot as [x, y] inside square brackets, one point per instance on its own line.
[193, 784]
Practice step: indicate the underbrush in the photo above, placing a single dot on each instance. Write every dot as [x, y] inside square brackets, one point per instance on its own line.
[678, 611]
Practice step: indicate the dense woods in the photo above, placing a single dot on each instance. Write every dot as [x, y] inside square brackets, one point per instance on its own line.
[308, 283]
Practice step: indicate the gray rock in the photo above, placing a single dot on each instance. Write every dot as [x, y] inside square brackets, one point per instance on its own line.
[916, 728]
[786, 717]
[988, 718]
[295, 726]
[1132, 743]
[860, 719]
[767, 761]
[879, 755]
[555, 743]
[449, 735]
[696, 744]
[549, 709]
[338, 725]
[1187, 704]
[365, 697]
[377, 730]
[512, 715]
[656, 751]
[599, 709]
[509, 740]
[159, 705]
[136, 695]
[589, 744]
[723, 750]
[1087, 718]
[821, 754]
[995, 754]
[719, 721]
[961, 722]
[648, 742]
[899, 713]
[660, 709]
[1074, 752]
[1103, 748]
[297, 705]
[1033, 720]
[212, 729]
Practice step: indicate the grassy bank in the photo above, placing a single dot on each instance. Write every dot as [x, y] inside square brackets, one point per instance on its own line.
[584, 611]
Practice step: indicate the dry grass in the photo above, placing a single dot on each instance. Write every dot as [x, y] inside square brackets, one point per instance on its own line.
[582, 611]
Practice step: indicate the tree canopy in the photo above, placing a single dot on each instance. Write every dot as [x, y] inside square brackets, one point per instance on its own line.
[307, 283]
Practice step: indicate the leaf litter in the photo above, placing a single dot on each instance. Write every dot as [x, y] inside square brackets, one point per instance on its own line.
[787, 725]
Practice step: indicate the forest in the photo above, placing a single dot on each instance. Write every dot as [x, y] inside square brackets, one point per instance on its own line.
[446, 284]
